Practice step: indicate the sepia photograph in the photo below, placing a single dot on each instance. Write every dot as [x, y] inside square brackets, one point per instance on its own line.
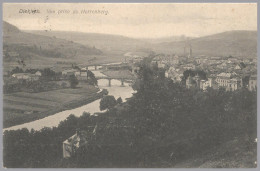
[129, 85]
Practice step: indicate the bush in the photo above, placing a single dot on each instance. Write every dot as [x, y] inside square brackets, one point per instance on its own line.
[73, 81]
[105, 92]
[107, 102]
[119, 100]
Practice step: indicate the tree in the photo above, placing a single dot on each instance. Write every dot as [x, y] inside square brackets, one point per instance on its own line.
[63, 85]
[92, 78]
[119, 100]
[73, 81]
[107, 102]
[48, 74]
[192, 73]
[105, 92]
[17, 70]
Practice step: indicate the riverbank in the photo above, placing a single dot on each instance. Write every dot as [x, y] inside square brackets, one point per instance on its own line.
[54, 120]
[46, 104]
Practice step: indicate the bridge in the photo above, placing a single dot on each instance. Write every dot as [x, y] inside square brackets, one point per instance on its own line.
[97, 66]
[122, 79]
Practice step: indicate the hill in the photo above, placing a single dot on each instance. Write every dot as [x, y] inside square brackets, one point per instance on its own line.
[8, 28]
[236, 153]
[106, 42]
[167, 39]
[235, 43]
[40, 50]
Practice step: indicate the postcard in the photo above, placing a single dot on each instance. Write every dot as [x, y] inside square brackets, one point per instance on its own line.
[129, 85]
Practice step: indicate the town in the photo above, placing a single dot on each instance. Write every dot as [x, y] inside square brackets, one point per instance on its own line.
[228, 72]
[165, 85]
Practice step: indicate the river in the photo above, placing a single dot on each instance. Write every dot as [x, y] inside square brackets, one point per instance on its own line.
[52, 121]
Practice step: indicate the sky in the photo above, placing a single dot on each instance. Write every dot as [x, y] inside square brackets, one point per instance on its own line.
[136, 20]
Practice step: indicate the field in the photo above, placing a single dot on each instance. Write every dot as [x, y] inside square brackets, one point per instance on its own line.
[23, 107]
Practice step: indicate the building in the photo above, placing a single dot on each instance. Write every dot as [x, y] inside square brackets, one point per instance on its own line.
[76, 141]
[38, 73]
[120, 137]
[204, 85]
[238, 67]
[198, 61]
[175, 60]
[26, 76]
[209, 83]
[212, 82]
[135, 68]
[81, 73]
[252, 83]
[197, 80]
[161, 65]
[189, 66]
[190, 83]
[234, 84]
[69, 72]
[228, 81]
[13, 54]
[190, 53]
[174, 74]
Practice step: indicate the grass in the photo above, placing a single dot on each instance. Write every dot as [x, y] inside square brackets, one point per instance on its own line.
[236, 153]
[22, 107]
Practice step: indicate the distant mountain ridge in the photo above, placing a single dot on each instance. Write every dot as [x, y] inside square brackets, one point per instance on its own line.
[101, 41]
[8, 28]
[32, 47]
[167, 39]
[235, 43]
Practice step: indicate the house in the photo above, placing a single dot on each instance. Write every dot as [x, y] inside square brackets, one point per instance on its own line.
[38, 73]
[189, 66]
[120, 137]
[235, 83]
[174, 74]
[205, 84]
[69, 72]
[13, 54]
[228, 81]
[76, 141]
[237, 67]
[20, 76]
[198, 61]
[212, 82]
[252, 83]
[26, 76]
[81, 73]
[84, 69]
[135, 68]
[193, 82]
[161, 65]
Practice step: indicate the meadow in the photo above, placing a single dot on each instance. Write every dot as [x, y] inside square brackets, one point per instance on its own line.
[23, 107]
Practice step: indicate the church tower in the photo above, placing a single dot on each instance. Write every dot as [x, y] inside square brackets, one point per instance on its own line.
[190, 54]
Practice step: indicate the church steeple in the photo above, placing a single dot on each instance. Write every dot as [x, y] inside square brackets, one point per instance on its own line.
[190, 54]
